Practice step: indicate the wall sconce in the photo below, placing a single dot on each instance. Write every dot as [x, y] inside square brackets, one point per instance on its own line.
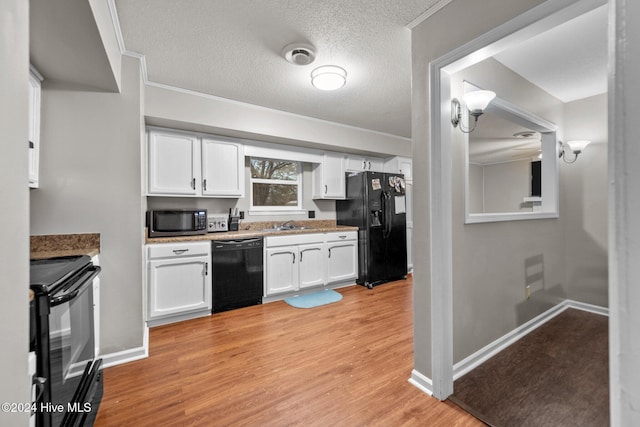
[476, 103]
[574, 147]
[328, 77]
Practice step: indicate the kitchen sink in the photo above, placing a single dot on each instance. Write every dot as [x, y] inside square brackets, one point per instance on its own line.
[286, 228]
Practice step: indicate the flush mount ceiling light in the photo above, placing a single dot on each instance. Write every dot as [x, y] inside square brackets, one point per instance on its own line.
[476, 103]
[575, 147]
[328, 77]
[299, 53]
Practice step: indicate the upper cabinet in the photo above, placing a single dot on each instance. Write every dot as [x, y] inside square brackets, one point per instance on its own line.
[360, 163]
[401, 165]
[184, 164]
[328, 177]
[222, 168]
[34, 127]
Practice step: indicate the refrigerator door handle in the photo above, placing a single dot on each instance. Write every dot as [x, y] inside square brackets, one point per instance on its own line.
[386, 214]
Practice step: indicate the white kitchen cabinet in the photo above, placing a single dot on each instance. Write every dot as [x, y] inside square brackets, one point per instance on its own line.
[329, 178]
[297, 262]
[294, 262]
[222, 168]
[35, 90]
[342, 256]
[281, 269]
[179, 281]
[357, 163]
[174, 159]
[188, 164]
[311, 259]
[401, 165]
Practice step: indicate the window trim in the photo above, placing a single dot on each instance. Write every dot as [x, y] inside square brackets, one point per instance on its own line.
[265, 210]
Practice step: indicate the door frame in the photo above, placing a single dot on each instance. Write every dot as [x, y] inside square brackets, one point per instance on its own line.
[538, 19]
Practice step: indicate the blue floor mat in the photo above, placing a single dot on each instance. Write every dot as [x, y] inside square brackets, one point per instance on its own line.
[315, 299]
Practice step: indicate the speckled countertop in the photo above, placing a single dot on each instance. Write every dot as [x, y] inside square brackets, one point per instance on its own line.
[56, 245]
[257, 229]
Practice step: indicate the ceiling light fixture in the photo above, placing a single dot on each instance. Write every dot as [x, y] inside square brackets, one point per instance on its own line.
[576, 147]
[476, 102]
[299, 53]
[328, 77]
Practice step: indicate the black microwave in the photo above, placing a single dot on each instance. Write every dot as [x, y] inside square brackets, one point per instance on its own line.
[177, 222]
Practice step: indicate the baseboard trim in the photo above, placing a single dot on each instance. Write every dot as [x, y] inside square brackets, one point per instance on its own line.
[490, 350]
[422, 382]
[126, 356]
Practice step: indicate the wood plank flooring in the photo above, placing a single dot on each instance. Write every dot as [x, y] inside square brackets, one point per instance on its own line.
[343, 364]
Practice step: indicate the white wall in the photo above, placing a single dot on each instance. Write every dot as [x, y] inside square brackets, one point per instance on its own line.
[90, 182]
[14, 218]
[191, 111]
[584, 195]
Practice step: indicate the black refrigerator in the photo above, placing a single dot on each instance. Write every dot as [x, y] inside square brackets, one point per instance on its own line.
[376, 204]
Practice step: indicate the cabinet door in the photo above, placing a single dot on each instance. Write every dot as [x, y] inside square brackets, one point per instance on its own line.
[328, 177]
[34, 129]
[174, 166]
[311, 265]
[281, 269]
[342, 261]
[178, 286]
[375, 164]
[222, 168]
[356, 163]
[405, 167]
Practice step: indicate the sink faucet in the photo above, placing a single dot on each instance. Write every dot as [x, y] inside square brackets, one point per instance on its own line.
[287, 225]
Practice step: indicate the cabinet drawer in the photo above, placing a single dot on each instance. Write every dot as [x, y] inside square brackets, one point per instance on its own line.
[294, 239]
[173, 250]
[341, 236]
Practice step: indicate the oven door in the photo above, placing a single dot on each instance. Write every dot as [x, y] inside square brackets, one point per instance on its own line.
[71, 338]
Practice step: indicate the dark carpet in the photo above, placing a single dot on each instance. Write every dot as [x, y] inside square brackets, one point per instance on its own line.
[557, 375]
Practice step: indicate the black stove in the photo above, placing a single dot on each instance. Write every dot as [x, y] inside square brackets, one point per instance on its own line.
[68, 376]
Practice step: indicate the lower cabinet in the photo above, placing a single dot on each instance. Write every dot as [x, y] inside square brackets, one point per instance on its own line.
[298, 262]
[342, 256]
[179, 281]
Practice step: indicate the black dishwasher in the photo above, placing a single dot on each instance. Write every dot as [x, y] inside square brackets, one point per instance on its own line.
[237, 273]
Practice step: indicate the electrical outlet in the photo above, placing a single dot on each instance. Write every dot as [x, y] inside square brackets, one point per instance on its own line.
[241, 214]
[528, 291]
[312, 214]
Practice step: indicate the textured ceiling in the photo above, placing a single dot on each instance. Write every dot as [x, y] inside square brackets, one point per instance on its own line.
[233, 49]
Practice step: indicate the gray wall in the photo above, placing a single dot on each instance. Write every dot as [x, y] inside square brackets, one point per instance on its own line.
[506, 185]
[14, 194]
[584, 195]
[493, 262]
[470, 19]
[90, 182]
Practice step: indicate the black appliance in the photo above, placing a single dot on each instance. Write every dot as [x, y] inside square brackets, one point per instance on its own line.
[236, 273]
[68, 378]
[177, 222]
[375, 203]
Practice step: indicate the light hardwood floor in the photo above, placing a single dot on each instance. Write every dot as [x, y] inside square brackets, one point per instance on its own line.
[343, 364]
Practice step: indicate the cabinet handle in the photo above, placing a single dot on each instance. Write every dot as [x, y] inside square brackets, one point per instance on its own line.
[325, 189]
[329, 252]
[369, 165]
[204, 185]
[294, 257]
[193, 183]
[180, 251]
[301, 252]
[342, 237]
[206, 268]
[364, 164]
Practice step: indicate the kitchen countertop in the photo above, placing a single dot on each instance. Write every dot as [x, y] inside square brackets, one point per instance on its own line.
[258, 229]
[57, 245]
